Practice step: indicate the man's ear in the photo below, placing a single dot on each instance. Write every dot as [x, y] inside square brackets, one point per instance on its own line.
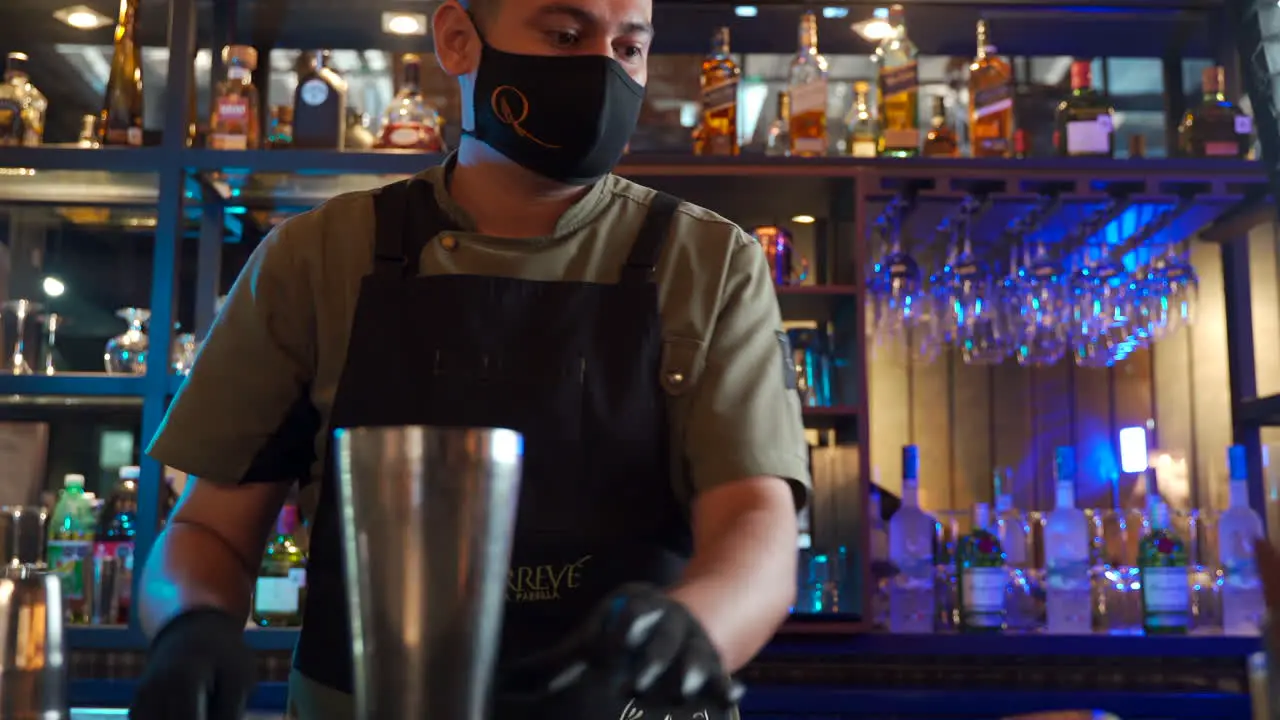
[457, 43]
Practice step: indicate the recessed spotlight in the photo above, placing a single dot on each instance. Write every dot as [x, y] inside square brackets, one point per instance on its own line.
[804, 219]
[835, 13]
[746, 11]
[82, 17]
[53, 287]
[400, 23]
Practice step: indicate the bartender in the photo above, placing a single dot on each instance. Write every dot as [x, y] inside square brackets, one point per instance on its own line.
[635, 340]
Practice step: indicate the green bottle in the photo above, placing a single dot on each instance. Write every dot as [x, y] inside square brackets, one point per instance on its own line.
[1162, 559]
[281, 588]
[983, 576]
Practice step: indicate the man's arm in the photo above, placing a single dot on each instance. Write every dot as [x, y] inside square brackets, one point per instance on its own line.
[748, 462]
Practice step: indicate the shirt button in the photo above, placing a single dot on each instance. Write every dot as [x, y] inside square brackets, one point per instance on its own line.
[449, 243]
[675, 378]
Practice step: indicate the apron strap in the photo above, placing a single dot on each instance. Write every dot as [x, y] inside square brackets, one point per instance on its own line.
[647, 249]
[407, 217]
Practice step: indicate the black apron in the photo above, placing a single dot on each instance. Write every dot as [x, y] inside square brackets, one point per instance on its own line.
[573, 366]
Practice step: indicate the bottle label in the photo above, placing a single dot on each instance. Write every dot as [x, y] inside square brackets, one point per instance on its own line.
[863, 148]
[983, 589]
[67, 558]
[276, 595]
[1221, 149]
[230, 124]
[1244, 125]
[720, 96]
[1067, 575]
[898, 80]
[314, 92]
[411, 136]
[898, 138]
[1164, 589]
[1089, 137]
[11, 126]
[991, 100]
[238, 72]
[121, 550]
[809, 98]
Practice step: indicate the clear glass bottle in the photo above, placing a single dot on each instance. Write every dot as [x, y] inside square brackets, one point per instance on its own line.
[911, 538]
[778, 141]
[281, 588]
[409, 122]
[899, 83]
[22, 105]
[1162, 561]
[1067, 534]
[980, 564]
[990, 101]
[807, 88]
[863, 134]
[1217, 127]
[235, 123]
[941, 140]
[88, 133]
[718, 130]
[1239, 527]
[121, 120]
[1085, 125]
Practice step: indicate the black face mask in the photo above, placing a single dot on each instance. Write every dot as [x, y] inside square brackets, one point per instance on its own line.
[565, 117]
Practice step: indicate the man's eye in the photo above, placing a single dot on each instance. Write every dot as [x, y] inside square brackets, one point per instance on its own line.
[563, 38]
[632, 52]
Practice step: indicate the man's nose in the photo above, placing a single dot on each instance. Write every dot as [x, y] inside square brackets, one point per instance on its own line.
[597, 46]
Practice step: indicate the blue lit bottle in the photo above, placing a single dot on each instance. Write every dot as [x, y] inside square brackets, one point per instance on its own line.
[911, 536]
[1068, 601]
[1238, 528]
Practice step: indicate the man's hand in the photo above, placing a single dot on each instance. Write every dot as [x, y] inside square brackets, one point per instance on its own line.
[640, 644]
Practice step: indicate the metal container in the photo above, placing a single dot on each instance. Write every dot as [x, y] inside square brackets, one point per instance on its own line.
[33, 658]
[784, 265]
[811, 355]
[427, 521]
[22, 534]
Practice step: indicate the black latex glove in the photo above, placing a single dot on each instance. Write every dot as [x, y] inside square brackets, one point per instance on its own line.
[640, 644]
[199, 668]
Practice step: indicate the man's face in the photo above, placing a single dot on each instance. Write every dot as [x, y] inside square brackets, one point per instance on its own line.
[620, 29]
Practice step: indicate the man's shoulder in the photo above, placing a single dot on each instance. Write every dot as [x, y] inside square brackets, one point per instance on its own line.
[694, 227]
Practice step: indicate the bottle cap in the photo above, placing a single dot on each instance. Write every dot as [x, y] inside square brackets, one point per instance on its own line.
[1237, 463]
[910, 462]
[73, 480]
[1212, 79]
[130, 472]
[1064, 463]
[1081, 74]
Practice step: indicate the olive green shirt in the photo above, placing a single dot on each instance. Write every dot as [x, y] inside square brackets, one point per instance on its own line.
[285, 327]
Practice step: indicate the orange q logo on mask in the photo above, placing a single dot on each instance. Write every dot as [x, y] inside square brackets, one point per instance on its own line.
[512, 108]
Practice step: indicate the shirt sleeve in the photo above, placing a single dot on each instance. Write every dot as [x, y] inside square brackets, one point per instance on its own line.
[244, 413]
[744, 412]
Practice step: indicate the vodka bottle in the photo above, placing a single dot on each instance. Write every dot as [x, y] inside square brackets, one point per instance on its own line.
[980, 563]
[911, 535]
[1162, 560]
[1068, 601]
[1238, 528]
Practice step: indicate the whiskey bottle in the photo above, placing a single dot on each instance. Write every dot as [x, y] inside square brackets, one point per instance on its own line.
[899, 90]
[990, 101]
[88, 133]
[941, 140]
[1217, 128]
[120, 122]
[862, 123]
[718, 134]
[1084, 126]
[319, 105]
[778, 141]
[235, 123]
[807, 88]
[22, 106]
[409, 122]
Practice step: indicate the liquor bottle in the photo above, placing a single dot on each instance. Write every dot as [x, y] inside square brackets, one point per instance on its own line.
[990, 101]
[941, 140]
[88, 133]
[862, 123]
[22, 106]
[1068, 602]
[235, 123]
[911, 537]
[879, 554]
[1011, 527]
[280, 129]
[69, 553]
[120, 122]
[409, 122]
[899, 90]
[720, 77]
[983, 577]
[807, 89]
[1162, 561]
[1239, 527]
[281, 587]
[778, 141]
[1084, 125]
[319, 105]
[1216, 128]
[114, 541]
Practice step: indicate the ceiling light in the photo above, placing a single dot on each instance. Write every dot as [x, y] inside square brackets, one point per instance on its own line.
[804, 219]
[746, 11]
[874, 30]
[53, 287]
[82, 17]
[835, 13]
[398, 23]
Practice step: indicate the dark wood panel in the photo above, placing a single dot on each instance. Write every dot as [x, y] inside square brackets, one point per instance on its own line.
[1052, 409]
[971, 415]
[1012, 429]
[1171, 392]
[889, 399]
[1095, 448]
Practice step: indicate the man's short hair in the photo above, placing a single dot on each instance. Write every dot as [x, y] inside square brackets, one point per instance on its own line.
[481, 9]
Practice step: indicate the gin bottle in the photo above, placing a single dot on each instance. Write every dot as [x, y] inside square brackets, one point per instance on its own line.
[1238, 528]
[1068, 602]
[911, 536]
[1162, 561]
[983, 577]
